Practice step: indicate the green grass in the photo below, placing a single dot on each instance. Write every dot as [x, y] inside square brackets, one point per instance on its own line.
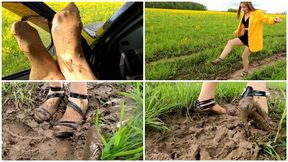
[271, 72]
[13, 59]
[127, 142]
[18, 93]
[181, 44]
[163, 98]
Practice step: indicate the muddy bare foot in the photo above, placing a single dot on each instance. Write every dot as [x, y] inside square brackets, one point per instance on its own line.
[250, 110]
[30, 43]
[218, 109]
[72, 118]
[66, 33]
[49, 107]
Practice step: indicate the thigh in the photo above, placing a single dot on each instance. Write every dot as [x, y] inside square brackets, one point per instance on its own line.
[236, 42]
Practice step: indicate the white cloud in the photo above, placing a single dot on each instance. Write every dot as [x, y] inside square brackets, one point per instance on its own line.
[271, 6]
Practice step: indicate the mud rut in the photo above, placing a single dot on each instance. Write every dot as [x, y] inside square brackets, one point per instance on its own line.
[25, 139]
[254, 66]
[207, 137]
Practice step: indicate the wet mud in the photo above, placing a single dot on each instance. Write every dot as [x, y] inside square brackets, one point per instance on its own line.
[208, 137]
[25, 139]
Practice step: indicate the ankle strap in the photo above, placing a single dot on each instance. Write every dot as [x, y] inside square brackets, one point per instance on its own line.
[56, 88]
[77, 95]
[249, 91]
[201, 105]
[261, 93]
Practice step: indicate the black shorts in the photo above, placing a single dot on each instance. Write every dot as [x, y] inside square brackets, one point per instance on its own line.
[244, 38]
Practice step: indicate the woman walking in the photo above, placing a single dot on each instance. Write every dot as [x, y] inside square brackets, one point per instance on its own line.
[249, 33]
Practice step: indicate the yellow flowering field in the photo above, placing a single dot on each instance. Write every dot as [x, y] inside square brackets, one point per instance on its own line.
[180, 44]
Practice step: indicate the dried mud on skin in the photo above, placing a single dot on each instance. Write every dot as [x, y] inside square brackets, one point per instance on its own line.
[25, 139]
[206, 137]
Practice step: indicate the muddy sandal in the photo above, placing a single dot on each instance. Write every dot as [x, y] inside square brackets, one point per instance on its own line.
[204, 107]
[244, 73]
[67, 128]
[250, 92]
[251, 110]
[217, 61]
[42, 114]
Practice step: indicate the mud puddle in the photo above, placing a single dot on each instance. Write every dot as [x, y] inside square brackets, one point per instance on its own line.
[25, 139]
[207, 137]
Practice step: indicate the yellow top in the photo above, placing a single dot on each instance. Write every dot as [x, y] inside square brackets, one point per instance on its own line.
[255, 29]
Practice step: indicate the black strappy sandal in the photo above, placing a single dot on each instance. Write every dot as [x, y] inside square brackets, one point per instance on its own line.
[42, 114]
[217, 61]
[204, 107]
[250, 92]
[251, 110]
[67, 128]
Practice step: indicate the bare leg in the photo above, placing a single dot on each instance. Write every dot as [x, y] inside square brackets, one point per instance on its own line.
[207, 92]
[50, 105]
[262, 101]
[230, 44]
[245, 59]
[43, 67]
[70, 114]
[66, 33]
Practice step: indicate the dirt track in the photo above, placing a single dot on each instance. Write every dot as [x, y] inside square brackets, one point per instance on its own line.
[25, 139]
[254, 66]
[214, 137]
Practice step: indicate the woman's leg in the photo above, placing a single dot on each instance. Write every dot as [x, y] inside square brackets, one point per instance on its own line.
[70, 114]
[43, 67]
[51, 104]
[207, 92]
[230, 44]
[66, 33]
[261, 101]
[245, 59]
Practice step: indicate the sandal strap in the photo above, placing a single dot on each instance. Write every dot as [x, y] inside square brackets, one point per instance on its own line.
[55, 95]
[220, 59]
[261, 93]
[202, 105]
[56, 88]
[77, 95]
[44, 111]
[249, 91]
[76, 108]
[70, 124]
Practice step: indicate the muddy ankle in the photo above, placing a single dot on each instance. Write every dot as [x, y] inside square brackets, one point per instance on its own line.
[71, 114]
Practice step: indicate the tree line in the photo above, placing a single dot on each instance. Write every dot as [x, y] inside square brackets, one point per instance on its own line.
[176, 5]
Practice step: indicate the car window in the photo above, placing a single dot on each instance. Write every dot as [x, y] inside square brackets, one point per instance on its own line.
[90, 11]
[13, 59]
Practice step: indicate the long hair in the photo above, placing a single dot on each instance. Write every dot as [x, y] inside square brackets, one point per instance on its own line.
[246, 3]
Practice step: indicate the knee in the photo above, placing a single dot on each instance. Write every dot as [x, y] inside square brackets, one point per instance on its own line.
[230, 42]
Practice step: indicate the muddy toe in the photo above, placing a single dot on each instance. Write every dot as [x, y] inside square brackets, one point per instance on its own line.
[65, 129]
[42, 114]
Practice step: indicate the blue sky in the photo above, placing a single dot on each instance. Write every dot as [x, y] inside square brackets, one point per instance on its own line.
[271, 6]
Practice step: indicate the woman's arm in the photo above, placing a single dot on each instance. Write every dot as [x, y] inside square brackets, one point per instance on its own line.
[268, 20]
